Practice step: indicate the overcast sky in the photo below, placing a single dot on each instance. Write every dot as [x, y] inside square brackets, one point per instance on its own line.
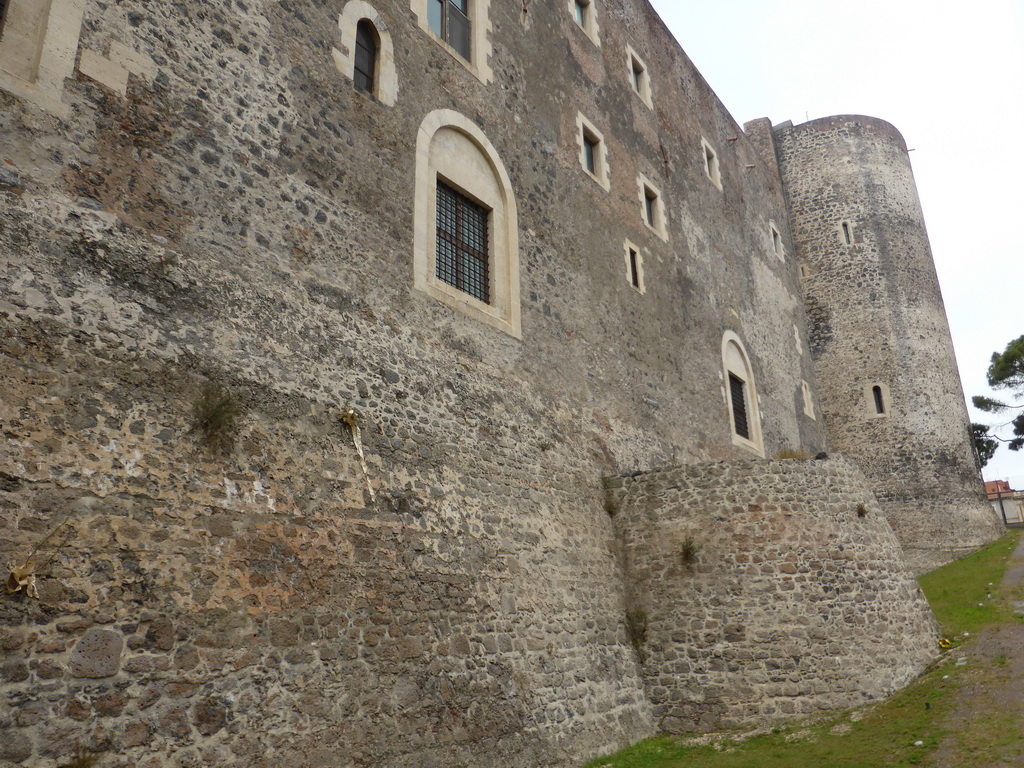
[950, 76]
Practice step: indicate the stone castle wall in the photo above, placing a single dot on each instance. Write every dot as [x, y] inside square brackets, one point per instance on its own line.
[204, 197]
[769, 590]
[877, 319]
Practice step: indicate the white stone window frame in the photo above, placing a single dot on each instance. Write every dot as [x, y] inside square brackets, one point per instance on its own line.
[870, 408]
[601, 173]
[480, 51]
[660, 226]
[38, 48]
[636, 66]
[628, 248]
[590, 26]
[385, 87]
[467, 161]
[736, 361]
[808, 397]
[712, 162]
[778, 246]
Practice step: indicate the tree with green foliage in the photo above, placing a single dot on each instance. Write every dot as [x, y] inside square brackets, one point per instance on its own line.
[1006, 371]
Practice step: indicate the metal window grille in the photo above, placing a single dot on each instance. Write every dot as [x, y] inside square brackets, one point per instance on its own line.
[462, 243]
[366, 57]
[738, 390]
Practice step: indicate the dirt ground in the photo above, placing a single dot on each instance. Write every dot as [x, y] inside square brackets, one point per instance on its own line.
[986, 725]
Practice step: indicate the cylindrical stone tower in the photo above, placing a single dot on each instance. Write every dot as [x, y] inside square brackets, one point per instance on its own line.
[887, 374]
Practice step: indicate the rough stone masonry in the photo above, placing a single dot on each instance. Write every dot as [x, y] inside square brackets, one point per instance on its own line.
[213, 244]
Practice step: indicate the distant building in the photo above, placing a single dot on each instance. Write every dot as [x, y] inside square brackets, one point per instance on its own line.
[1008, 503]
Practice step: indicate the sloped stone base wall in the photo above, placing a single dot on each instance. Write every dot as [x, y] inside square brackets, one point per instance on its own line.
[796, 600]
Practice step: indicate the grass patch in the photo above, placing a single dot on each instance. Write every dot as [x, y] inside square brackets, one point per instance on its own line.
[882, 735]
[963, 594]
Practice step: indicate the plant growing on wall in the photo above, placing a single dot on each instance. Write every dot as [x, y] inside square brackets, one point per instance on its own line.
[215, 417]
[688, 551]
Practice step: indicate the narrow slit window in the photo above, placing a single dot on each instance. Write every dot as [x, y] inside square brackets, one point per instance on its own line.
[776, 241]
[876, 392]
[634, 268]
[846, 233]
[462, 248]
[590, 152]
[738, 395]
[711, 164]
[365, 71]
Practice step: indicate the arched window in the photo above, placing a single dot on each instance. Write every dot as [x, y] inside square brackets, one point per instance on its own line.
[466, 239]
[365, 68]
[741, 395]
[367, 55]
[877, 400]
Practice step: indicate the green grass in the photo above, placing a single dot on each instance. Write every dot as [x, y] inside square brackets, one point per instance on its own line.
[880, 736]
[959, 593]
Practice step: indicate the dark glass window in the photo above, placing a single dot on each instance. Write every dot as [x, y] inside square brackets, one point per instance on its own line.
[876, 391]
[462, 243]
[738, 390]
[450, 21]
[366, 57]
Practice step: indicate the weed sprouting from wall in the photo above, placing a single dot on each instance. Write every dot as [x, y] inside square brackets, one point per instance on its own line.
[636, 630]
[862, 511]
[688, 551]
[215, 418]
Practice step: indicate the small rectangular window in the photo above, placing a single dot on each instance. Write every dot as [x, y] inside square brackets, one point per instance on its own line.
[650, 203]
[580, 12]
[593, 152]
[634, 268]
[583, 13]
[846, 233]
[462, 248]
[738, 395]
[639, 78]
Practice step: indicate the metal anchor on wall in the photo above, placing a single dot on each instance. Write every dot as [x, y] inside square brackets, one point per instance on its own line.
[351, 416]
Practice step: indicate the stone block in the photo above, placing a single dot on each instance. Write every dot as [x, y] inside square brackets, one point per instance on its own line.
[97, 654]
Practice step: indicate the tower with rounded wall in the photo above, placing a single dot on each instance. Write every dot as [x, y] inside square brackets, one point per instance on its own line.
[880, 340]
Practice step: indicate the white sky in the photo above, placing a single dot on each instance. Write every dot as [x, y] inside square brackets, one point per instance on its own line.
[950, 76]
